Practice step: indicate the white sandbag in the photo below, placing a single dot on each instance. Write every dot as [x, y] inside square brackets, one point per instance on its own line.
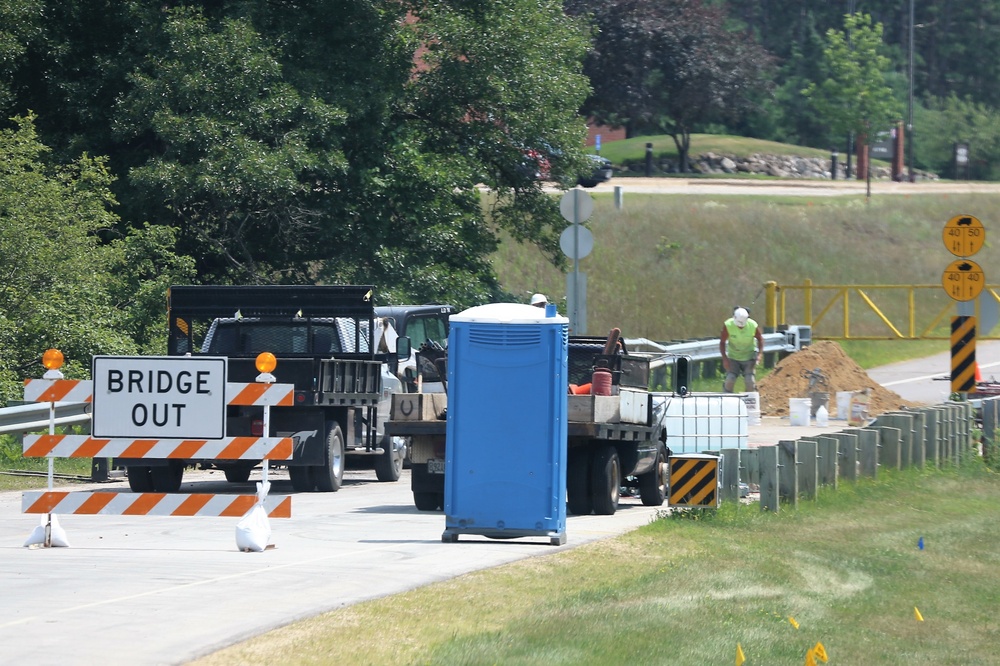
[58, 537]
[254, 531]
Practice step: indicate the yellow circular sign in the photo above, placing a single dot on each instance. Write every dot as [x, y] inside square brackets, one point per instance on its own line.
[963, 280]
[964, 235]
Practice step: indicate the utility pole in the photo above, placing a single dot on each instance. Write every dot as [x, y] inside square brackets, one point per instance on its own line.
[909, 113]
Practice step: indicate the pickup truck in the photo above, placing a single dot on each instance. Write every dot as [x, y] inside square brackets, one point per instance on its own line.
[329, 344]
[609, 438]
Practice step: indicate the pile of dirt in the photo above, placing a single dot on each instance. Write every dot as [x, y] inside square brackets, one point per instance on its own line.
[789, 379]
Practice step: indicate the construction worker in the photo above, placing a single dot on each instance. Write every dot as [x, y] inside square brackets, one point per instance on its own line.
[742, 347]
[539, 301]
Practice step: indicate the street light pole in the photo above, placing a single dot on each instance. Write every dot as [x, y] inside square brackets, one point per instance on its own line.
[909, 121]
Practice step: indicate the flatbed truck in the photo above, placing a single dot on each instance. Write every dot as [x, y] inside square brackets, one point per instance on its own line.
[609, 439]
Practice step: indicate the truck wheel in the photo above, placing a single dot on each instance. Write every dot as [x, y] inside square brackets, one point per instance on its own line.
[606, 480]
[653, 484]
[237, 474]
[578, 484]
[428, 501]
[389, 465]
[139, 478]
[302, 478]
[330, 476]
[167, 479]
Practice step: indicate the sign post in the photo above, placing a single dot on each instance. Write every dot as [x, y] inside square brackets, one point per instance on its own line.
[576, 242]
[963, 280]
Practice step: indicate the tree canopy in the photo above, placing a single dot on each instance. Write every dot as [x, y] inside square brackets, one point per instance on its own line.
[61, 285]
[336, 141]
[670, 66]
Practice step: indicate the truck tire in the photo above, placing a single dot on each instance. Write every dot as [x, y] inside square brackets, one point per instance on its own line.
[330, 475]
[237, 474]
[578, 498]
[167, 479]
[389, 465]
[425, 501]
[302, 478]
[139, 478]
[653, 484]
[606, 480]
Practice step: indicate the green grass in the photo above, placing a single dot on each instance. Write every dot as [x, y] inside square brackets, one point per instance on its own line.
[846, 567]
[634, 150]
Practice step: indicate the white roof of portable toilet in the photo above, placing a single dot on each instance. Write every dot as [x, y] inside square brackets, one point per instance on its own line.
[508, 313]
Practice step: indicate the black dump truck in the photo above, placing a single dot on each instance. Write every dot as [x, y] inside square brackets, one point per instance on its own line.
[328, 342]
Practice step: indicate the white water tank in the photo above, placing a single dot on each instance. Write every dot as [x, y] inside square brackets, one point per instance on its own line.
[697, 423]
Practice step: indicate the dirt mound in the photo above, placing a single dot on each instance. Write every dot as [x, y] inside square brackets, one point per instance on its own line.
[789, 379]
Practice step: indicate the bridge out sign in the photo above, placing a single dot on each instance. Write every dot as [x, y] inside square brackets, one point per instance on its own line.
[159, 397]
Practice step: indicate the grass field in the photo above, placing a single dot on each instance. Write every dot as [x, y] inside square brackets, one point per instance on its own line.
[848, 569]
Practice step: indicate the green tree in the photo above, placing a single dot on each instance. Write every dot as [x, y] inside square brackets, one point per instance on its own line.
[672, 66]
[952, 120]
[341, 140]
[61, 286]
[853, 97]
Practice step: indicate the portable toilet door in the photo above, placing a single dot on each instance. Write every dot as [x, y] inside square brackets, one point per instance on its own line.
[507, 423]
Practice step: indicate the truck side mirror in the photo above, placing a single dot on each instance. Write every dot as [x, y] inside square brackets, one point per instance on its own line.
[682, 374]
[403, 347]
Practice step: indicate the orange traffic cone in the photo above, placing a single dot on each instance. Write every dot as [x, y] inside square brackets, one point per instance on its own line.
[979, 377]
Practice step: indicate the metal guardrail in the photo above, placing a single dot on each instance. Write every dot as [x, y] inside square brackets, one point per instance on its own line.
[663, 353]
[35, 416]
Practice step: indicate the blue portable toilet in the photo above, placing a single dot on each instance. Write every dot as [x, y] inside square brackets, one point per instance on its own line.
[506, 430]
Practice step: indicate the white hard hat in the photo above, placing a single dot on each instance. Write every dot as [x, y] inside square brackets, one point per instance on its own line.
[539, 299]
[740, 316]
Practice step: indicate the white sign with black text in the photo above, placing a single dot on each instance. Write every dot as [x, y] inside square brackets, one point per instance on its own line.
[159, 397]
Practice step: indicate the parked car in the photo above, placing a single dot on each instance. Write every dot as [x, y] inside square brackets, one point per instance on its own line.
[601, 173]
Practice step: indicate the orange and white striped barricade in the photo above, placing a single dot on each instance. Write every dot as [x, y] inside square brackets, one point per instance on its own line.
[55, 389]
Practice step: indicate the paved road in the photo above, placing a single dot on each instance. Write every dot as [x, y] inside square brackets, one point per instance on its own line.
[151, 590]
[811, 187]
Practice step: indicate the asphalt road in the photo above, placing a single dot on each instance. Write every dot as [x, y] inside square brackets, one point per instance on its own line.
[144, 590]
[784, 187]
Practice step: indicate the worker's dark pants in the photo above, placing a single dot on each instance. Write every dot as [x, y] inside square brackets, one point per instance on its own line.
[744, 368]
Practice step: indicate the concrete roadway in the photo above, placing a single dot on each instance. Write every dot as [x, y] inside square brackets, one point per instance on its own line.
[156, 590]
[784, 187]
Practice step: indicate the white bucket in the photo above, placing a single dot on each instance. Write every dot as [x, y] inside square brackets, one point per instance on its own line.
[844, 404]
[752, 401]
[798, 411]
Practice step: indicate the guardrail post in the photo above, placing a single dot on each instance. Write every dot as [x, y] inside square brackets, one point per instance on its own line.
[770, 478]
[730, 474]
[788, 468]
[991, 421]
[889, 456]
[868, 451]
[828, 468]
[919, 450]
[751, 465]
[847, 452]
[808, 468]
[932, 436]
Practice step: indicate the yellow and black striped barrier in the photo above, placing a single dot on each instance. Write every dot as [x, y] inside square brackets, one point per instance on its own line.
[963, 354]
[694, 481]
